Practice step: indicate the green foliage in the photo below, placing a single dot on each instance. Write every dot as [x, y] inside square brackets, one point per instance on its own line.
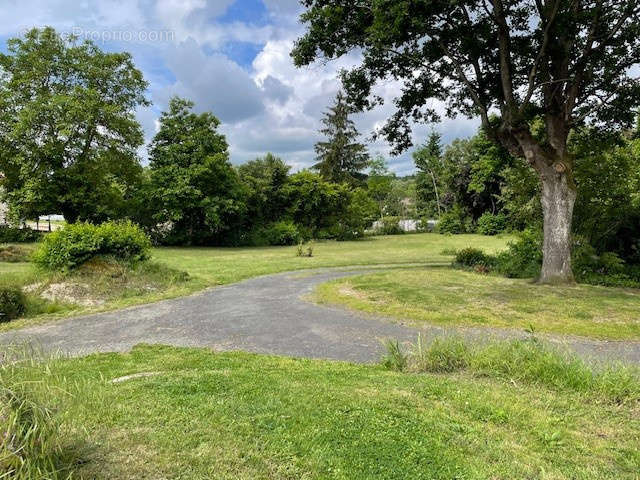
[281, 233]
[197, 192]
[84, 164]
[390, 226]
[341, 158]
[12, 305]
[395, 358]
[471, 257]
[316, 205]
[523, 257]
[18, 235]
[443, 355]
[492, 224]
[454, 221]
[429, 188]
[265, 181]
[72, 246]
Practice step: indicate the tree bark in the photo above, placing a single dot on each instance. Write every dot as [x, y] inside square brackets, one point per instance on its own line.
[558, 199]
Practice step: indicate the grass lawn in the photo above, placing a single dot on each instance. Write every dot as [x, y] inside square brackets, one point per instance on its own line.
[242, 416]
[444, 296]
[209, 267]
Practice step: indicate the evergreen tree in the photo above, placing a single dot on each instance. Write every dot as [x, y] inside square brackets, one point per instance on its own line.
[340, 158]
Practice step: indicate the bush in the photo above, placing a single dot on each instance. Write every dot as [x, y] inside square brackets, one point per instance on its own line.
[75, 244]
[390, 226]
[18, 235]
[492, 224]
[281, 233]
[12, 303]
[523, 257]
[454, 222]
[472, 257]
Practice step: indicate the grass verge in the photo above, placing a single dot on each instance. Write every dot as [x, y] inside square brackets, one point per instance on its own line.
[191, 413]
[443, 296]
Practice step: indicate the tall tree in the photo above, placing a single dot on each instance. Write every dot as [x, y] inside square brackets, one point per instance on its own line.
[562, 62]
[341, 158]
[196, 190]
[428, 160]
[68, 132]
[379, 182]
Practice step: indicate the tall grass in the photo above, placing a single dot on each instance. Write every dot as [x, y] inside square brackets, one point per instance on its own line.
[529, 361]
[31, 446]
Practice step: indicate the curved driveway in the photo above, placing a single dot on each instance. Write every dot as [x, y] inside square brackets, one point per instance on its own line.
[266, 315]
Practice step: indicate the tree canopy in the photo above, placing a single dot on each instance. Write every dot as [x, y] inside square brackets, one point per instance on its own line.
[68, 132]
[562, 62]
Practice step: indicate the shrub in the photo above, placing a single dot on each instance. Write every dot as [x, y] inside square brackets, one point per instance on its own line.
[12, 303]
[73, 245]
[523, 257]
[454, 222]
[18, 235]
[390, 226]
[281, 233]
[471, 257]
[492, 224]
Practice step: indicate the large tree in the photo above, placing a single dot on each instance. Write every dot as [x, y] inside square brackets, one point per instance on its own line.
[195, 189]
[68, 132]
[554, 63]
[341, 158]
[428, 161]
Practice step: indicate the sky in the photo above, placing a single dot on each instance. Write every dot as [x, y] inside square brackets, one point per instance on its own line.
[230, 57]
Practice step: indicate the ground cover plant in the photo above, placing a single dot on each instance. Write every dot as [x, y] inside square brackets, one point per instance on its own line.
[192, 413]
[445, 296]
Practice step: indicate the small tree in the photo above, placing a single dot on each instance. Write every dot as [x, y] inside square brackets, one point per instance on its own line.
[195, 188]
[548, 67]
[340, 158]
[68, 132]
[428, 160]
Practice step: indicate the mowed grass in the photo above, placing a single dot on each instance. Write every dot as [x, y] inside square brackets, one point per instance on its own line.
[219, 266]
[444, 296]
[209, 267]
[194, 414]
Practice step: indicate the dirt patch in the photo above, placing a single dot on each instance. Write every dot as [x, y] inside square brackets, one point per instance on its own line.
[66, 292]
[349, 291]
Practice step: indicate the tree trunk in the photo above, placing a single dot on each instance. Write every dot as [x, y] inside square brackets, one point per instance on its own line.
[558, 199]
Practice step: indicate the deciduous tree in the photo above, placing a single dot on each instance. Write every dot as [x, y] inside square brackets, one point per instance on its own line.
[565, 63]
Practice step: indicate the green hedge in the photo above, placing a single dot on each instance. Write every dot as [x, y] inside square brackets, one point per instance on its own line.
[73, 245]
[12, 303]
[18, 235]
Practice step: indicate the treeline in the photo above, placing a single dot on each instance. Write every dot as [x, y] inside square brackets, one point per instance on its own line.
[474, 186]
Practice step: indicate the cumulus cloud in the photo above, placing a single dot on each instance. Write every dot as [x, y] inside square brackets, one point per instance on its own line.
[214, 82]
[265, 105]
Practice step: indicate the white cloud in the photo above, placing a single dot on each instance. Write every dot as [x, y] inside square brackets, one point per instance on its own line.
[268, 106]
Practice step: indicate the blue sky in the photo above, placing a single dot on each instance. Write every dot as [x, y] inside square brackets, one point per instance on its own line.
[230, 57]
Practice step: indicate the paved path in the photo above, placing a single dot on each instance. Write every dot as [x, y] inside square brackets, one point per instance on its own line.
[266, 315]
